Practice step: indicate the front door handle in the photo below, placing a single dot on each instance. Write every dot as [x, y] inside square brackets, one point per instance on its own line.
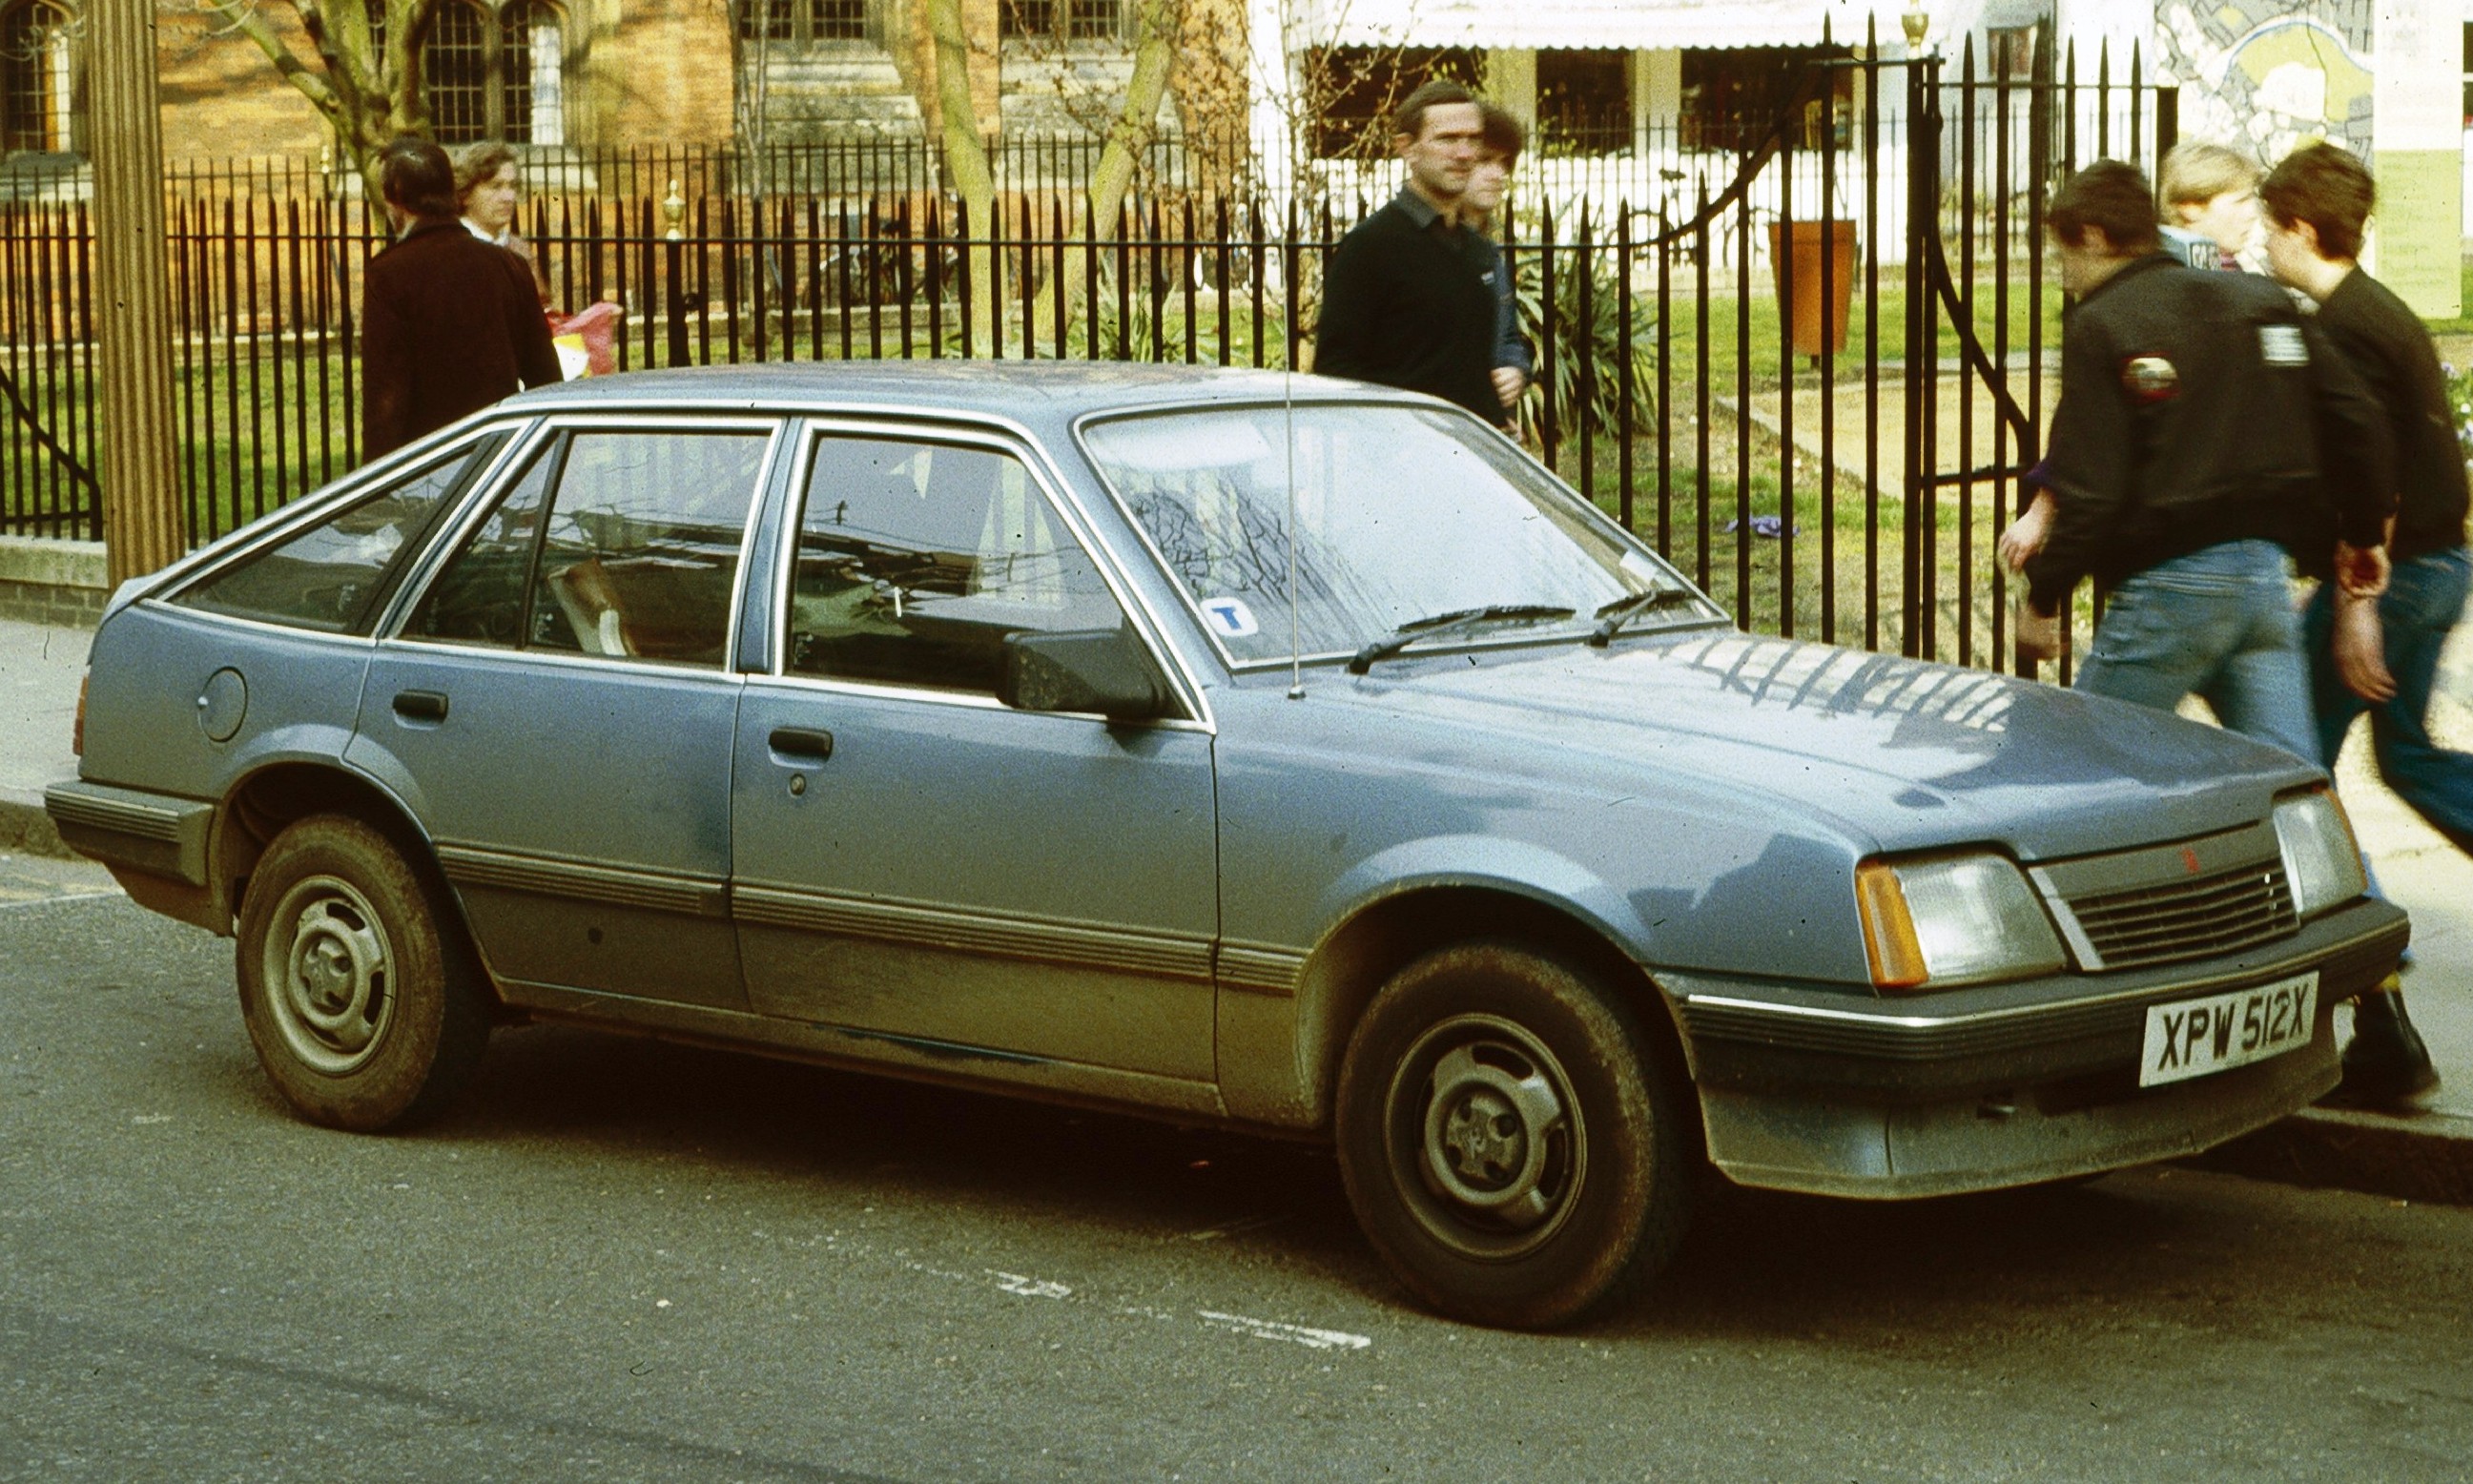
[420, 705]
[800, 744]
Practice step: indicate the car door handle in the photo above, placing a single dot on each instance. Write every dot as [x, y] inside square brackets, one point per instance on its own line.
[420, 705]
[801, 744]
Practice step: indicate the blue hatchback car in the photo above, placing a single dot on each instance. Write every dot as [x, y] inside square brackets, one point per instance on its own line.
[1285, 753]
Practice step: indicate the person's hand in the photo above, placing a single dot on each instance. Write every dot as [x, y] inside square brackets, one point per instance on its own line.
[2361, 571]
[2039, 634]
[1509, 381]
[2360, 644]
[2028, 533]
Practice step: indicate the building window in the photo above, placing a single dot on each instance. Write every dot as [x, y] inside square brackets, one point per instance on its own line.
[803, 21]
[838, 20]
[1350, 91]
[2010, 51]
[495, 76]
[1061, 20]
[1732, 99]
[1584, 102]
[39, 81]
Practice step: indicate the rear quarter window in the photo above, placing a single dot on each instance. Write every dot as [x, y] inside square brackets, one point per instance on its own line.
[330, 578]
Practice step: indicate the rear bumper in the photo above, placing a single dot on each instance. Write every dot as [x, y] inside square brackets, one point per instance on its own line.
[1850, 1094]
[156, 844]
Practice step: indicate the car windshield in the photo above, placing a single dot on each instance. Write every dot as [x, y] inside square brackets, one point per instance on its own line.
[1403, 515]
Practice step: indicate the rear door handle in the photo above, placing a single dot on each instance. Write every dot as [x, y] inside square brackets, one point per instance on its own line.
[420, 705]
[800, 744]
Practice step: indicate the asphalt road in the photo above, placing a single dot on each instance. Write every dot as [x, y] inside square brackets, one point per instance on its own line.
[628, 1261]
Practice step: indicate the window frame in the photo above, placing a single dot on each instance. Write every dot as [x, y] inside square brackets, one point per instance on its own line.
[499, 86]
[1141, 619]
[295, 519]
[480, 501]
[70, 114]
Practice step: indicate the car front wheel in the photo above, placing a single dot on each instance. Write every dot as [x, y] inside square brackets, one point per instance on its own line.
[365, 1013]
[1510, 1143]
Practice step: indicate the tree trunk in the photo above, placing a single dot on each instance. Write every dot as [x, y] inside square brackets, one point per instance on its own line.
[965, 163]
[1212, 98]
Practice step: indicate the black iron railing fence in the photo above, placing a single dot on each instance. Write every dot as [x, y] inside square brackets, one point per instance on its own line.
[1810, 378]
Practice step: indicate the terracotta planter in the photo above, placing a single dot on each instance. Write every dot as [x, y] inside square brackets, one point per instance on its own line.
[1816, 245]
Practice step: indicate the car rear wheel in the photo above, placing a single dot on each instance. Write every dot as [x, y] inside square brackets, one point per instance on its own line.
[365, 1013]
[1511, 1142]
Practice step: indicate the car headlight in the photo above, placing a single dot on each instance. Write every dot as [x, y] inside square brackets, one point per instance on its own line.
[1953, 920]
[2322, 861]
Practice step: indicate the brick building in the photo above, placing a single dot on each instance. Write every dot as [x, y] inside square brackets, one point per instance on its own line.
[594, 73]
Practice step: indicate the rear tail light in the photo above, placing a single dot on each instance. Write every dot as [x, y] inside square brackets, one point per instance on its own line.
[77, 728]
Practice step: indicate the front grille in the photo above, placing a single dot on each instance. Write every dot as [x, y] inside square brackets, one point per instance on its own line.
[2221, 911]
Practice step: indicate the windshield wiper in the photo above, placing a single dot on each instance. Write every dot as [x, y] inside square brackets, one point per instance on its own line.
[1457, 621]
[1612, 617]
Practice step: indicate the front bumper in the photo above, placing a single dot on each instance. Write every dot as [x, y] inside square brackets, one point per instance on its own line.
[1852, 1094]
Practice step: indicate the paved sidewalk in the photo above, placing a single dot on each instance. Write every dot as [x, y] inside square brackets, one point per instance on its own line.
[40, 667]
[2428, 1156]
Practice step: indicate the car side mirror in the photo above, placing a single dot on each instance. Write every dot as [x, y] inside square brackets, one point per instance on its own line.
[1101, 670]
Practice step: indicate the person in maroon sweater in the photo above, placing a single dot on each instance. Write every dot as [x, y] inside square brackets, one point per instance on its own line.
[450, 323]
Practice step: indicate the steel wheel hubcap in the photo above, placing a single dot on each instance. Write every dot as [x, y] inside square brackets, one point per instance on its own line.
[1483, 1117]
[332, 974]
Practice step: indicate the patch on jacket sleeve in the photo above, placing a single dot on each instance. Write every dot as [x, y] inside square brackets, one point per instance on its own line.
[2282, 345]
[2150, 378]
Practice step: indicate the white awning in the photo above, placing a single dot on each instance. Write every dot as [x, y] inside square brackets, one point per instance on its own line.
[1625, 25]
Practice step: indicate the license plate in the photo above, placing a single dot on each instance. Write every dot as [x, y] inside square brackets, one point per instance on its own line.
[2194, 1037]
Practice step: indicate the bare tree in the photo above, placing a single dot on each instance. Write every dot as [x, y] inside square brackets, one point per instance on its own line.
[363, 75]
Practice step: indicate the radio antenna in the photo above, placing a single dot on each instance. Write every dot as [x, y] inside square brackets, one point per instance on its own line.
[1289, 440]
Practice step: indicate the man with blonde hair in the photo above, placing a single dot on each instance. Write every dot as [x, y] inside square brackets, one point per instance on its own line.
[2210, 204]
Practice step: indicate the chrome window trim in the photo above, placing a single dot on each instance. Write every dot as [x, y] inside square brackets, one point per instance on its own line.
[966, 700]
[264, 626]
[485, 500]
[995, 435]
[293, 520]
[1083, 422]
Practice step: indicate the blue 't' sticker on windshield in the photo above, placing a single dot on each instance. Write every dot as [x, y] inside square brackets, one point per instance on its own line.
[1230, 618]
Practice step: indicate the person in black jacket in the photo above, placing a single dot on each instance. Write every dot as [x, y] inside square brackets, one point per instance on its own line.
[2380, 654]
[450, 323]
[2198, 414]
[1406, 301]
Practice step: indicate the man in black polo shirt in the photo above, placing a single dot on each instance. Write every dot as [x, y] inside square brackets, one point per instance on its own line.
[2379, 652]
[1406, 301]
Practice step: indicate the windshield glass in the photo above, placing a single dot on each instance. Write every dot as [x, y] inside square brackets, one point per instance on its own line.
[1403, 514]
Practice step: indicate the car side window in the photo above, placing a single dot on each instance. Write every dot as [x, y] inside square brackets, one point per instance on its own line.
[617, 544]
[330, 577]
[916, 559]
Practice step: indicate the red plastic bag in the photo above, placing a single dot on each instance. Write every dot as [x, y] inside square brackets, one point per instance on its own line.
[587, 341]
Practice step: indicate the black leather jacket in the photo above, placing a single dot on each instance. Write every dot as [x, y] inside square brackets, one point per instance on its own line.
[2199, 408]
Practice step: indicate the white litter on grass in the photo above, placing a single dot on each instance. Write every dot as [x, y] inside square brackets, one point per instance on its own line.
[152, 1118]
[1029, 1288]
[1294, 1334]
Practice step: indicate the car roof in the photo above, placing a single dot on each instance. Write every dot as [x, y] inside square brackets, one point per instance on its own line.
[1039, 391]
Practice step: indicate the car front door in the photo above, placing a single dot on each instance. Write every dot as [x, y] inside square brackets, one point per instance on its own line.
[557, 709]
[915, 861]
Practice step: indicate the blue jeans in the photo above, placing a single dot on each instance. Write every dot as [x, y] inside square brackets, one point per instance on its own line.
[2218, 623]
[2424, 599]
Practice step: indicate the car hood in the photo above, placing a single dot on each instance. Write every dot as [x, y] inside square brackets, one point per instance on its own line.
[1910, 753]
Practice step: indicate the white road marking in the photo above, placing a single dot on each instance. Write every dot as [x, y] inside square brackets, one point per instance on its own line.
[1232, 1228]
[1294, 1334]
[1029, 1288]
[53, 901]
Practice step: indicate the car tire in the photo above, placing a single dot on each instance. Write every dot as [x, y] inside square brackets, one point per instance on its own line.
[358, 992]
[1512, 1143]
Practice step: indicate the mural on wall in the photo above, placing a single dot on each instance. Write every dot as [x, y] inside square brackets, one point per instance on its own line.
[2266, 75]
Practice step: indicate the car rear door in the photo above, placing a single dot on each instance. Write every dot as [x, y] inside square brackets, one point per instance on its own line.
[917, 863]
[556, 707]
